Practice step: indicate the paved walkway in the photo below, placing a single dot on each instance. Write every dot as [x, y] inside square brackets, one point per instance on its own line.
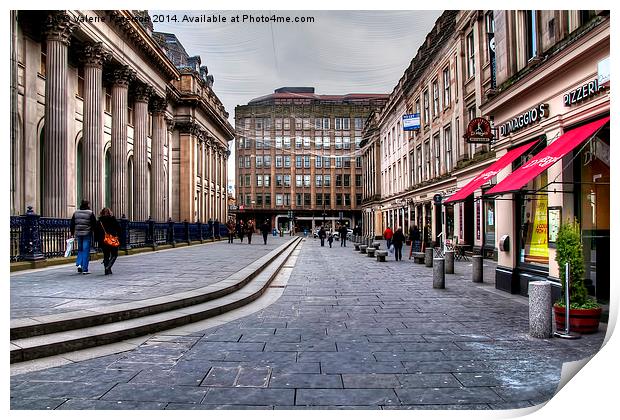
[348, 332]
[136, 277]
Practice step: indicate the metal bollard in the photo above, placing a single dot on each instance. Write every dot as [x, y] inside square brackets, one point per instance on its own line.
[476, 269]
[449, 257]
[540, 309]
[428, 257]
[439, 275]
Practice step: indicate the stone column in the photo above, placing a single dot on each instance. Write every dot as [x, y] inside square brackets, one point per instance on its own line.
[142, 93]
[120, 83]
[210, 180]
[93, 58]
[160, 131]
[225, 185]
[216, 181]
[58, 29]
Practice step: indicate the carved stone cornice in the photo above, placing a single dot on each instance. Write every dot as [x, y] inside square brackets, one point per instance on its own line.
[59, 26]
[142, 92]
[189, 127]
[122, 76]
[170, 123]
[94, 55]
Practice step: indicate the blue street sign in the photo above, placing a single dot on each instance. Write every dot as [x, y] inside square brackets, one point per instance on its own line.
[411, 122]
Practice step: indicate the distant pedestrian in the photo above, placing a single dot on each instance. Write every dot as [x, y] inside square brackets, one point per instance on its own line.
[240, 230]
[387, 235]
[397, 240]
[343, 235]
[82, 227]
[250, 230]
[230, 225]
[322, 236]
[110, 226]
[330, 238]
[264, 229]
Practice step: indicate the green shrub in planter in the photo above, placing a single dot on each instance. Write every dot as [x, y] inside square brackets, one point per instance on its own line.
[570, 249]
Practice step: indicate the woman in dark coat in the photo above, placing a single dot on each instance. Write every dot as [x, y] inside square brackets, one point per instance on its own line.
[108, 224]
[240, 230]
[264, 229]
[322, 235]
[397, 240]
[250, 231]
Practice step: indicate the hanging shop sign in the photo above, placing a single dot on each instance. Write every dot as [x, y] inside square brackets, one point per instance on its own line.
[583, 92]
[411, 122]
[479, 130]
[529, 117]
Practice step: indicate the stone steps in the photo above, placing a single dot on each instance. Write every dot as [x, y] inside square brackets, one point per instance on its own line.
[33, 338]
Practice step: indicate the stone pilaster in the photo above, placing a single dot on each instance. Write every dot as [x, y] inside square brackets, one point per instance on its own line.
[141, 210]
[210, 212]
[58, 29]
[120, 83]
[93, 58]
[158, 190]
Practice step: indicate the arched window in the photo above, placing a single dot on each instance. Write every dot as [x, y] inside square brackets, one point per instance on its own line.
[78, 173]
[108, 180]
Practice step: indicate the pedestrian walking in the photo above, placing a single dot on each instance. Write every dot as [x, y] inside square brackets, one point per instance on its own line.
[343, 235]
[387, 235]
[397, 240]
[322, 236]
[264, 229]
[414, 237]
[230, 225]
[330, 238]
[82, 226]
[109, 231]
[250, 231]
[240, 230]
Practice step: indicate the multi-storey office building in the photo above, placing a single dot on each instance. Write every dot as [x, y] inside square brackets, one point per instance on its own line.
[299, 155]
[553, 65]
[100, 112]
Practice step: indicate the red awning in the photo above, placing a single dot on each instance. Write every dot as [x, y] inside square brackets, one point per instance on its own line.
[547, 157]
[489, 173]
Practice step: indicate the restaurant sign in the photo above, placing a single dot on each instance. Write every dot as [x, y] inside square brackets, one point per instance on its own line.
[479, 131]
[583, 92]
[529, 117]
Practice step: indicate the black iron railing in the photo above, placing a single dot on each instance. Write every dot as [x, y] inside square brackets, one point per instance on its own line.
[33, 237]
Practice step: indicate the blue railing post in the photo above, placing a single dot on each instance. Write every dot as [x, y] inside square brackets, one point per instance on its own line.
[170, 237]
[211, 232]
[150, 233]
[124, 237]
[199, 230]
[187, 237]
[30, 240]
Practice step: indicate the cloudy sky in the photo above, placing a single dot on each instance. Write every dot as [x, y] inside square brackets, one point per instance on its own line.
[340, 52]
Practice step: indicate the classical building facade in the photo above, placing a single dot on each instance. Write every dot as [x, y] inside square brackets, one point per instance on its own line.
[553, 67]
[299, 157]
[100, 112]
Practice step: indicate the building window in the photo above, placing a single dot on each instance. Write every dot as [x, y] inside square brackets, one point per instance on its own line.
[347, 180]
[259, 180]
[435, 99]
[287, 142]
[306, 180]
[241, 180]
[325, 123]
[436, 145]
[267, 161]
[258, 124]
[259, 200]
[447, 138]
[278, 161]
[339, 180]
[287, 161]
[240, 161]
[327, 199]
[426, 107]
[248, 180]
[287, 180]
[306, 142]
[532, 34]
[359, 123]
[319, 180]
[287, 123]
[259, 161]
[358, 199]
[307, 200]
[318, 162]
[447, 97]
[130, 115]
[278, 123]
[471, 59]
[298, 142]
[278, 143]
[318, 199]
[327, 180]
[318, 124]
[267, 200]
[347, 161]
[259, 143]
[298, 161]
[298, 181]
[338, 161]
[318, 142]
[326, 141]
[338, 199]
[298, 199]
[358, 161]
[347, 199]
[42, 67]
[267, 182]
[358, 141]
[419, 163]
[278, 180]
[279, 199]
[346, 143]
[325, 162]
[427, 159]
[266, 142]
[306, 161]
[248, 163]
[338, 142]
[248, 199]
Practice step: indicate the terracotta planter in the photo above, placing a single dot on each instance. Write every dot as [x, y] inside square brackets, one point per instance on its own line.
[584, 321]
